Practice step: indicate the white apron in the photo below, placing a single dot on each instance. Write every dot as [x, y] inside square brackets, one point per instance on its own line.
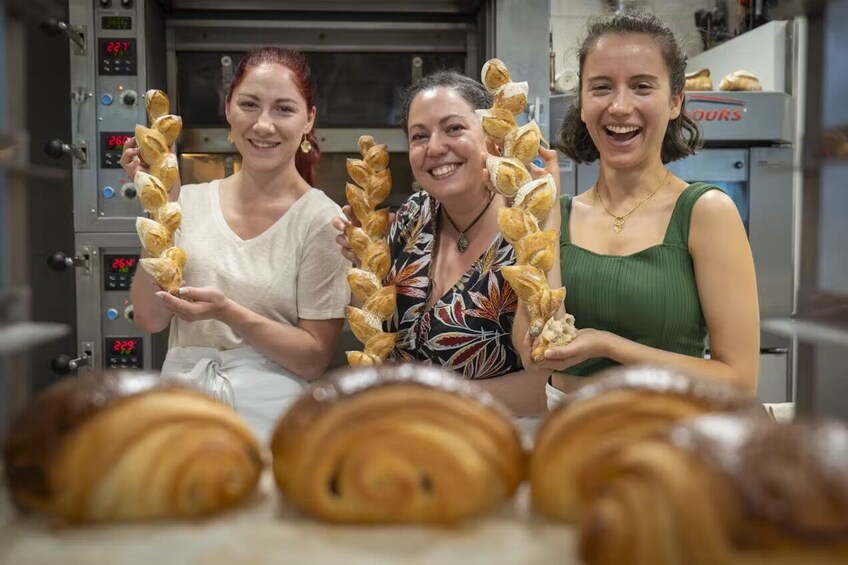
[258, 389]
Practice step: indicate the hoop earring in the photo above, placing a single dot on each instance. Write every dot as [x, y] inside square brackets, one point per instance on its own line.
[305, 146]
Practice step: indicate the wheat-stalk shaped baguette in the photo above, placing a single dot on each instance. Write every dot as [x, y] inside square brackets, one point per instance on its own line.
[157, 234]
[535, 250]
[372, 184]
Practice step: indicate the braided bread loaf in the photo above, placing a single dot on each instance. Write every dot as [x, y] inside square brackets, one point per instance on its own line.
[397, 444]
[535, 249]
[157, 234]
[373, 182]
[722, 489]
[622, 407]
[128, 445]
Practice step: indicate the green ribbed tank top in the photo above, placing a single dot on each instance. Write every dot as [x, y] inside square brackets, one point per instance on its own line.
[649, 297]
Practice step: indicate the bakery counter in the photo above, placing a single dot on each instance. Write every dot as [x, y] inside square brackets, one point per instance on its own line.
[267, 530]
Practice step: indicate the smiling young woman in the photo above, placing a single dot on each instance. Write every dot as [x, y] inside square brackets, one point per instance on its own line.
[654, 266]
[268, 289]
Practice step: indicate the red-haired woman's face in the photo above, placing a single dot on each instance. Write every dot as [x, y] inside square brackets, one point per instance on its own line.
[627, 99]
[268, 117]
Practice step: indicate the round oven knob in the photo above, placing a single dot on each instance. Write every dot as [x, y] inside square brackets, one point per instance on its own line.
[129, 191]
[129, 97]
[129, 313]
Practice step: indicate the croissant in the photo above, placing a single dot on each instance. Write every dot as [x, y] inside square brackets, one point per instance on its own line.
[537, 249]
[166, 169]
[157, 104]
[151, 144]
[362, 283]
[722, 489]
[396, 444]
[497, 123]
[170, 216]
[698, 81]
[537, 197]
[512, 96]
[165, 271]
[523, 143]
[152, 193]
[740, 80]
[169, 126]
[494, 74]
[128, 445]
[507, 175]
[619, 408]
[155, 237]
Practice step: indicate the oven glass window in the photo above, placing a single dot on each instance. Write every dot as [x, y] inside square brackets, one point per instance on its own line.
[353, 90]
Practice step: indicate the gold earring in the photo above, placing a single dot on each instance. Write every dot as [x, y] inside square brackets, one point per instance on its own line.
[229, 136]
[305, 146]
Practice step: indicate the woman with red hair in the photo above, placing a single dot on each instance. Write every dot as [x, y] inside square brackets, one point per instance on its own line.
[266, 288]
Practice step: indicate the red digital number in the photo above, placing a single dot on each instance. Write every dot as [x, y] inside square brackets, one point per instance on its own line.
[125, 47]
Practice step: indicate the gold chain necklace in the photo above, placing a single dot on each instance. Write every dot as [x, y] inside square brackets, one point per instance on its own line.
[462, 242]
[618, 221]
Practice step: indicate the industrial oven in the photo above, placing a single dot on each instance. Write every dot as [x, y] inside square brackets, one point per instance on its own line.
[748, 153]
[362, 56]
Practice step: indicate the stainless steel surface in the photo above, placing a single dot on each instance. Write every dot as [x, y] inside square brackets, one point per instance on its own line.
[743, 116]
[415, 6]
[774, 384]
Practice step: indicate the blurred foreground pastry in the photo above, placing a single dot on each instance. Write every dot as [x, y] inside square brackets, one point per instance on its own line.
[723, 490]
[128, 445]
[740, 80]
[397, 444]
[622, 406]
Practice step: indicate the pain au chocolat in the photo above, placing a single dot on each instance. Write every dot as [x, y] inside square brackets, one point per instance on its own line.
[620, 407]
[723, 489]
[128, 445]
[397, 444]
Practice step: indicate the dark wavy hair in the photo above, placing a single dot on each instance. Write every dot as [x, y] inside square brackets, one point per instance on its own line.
[471, 91]
[682, 136]
[296, 62]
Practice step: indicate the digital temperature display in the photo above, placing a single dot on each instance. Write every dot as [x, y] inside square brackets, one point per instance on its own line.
[124, 347]
[116, 22]
[116, 56]
[122, 264]
[115, 142]
[117, 48]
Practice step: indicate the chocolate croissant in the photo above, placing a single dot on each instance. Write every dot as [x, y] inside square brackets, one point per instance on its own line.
[622, 406]
[722, 490]
[128, 445]
[397, 444]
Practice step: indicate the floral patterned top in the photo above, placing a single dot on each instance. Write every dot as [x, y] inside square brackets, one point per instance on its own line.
[468, 330]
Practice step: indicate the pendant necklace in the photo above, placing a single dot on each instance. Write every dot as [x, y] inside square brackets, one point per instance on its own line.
[462, 242]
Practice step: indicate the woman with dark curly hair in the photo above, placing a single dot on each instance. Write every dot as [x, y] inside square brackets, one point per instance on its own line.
[654, 267]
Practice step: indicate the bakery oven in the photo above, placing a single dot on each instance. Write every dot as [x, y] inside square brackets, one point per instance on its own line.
[362, 55]
[748, 154]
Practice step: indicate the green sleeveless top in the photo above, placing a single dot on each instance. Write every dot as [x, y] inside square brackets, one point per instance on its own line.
[649, 297]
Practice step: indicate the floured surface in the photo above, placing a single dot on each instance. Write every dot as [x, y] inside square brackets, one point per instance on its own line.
[267, 530]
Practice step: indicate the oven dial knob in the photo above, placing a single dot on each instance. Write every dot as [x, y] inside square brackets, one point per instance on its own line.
[111, 314]
[129, 313]
[129, 191]
[127, 3]
[129, 97]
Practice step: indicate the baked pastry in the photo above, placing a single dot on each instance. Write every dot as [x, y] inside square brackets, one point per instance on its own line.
[397, 444]
[166, 272]
[619, 408]
[170, 215]
[155, 237]
[151, 144]
[698, 81]
[740, 80]
[722, 490]
[166, 169]
[157, 104]
[169, 126]
[373, 183]
[128, 445]
[535, 249]
[151, 192]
